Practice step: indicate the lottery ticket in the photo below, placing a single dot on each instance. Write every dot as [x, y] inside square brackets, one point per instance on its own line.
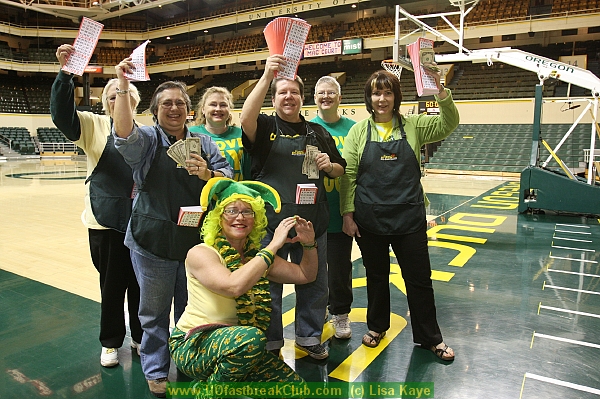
[287, 36]
[85, 44]
[422, 56]
[138, 58]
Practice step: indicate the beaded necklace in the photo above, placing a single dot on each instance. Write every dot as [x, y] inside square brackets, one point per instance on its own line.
[254, 306]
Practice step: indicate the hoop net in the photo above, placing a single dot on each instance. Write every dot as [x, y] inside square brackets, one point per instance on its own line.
[392, 67]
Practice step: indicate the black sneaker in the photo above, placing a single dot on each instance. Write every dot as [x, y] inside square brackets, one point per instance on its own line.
[315, 351]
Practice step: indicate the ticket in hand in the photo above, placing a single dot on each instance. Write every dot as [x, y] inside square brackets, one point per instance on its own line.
[423, 60]
[138, 58]
[286, 36]
[85, 44]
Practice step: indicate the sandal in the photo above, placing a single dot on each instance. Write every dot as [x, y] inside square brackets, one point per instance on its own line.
[371, 340]
[442, 353]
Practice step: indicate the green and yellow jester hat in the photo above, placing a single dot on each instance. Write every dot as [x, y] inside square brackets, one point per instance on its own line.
[221, 189]
[220, 192]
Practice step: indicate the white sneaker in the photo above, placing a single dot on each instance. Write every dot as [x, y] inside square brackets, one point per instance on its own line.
[109, 357]
[341, 325]
[136, 346]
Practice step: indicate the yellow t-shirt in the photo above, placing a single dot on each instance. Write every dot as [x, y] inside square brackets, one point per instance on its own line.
[205, 306]
[385, 130]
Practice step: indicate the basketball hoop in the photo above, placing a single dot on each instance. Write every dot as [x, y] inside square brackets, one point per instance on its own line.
[392, 67]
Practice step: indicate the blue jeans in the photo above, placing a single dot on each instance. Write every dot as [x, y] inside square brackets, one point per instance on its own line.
[161, 282]
[311, 299]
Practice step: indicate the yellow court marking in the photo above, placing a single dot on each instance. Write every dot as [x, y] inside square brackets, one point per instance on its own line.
[435, 230]
[363, 356]
[439, 275]
[398, 281]
[464, 252]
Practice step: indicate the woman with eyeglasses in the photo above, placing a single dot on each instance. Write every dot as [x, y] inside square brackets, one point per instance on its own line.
[221, 335]
[107, 205]
[383, 204]
[214, 120]
[157, 243]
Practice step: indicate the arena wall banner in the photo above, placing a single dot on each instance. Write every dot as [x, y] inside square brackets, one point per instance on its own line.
[322, 49]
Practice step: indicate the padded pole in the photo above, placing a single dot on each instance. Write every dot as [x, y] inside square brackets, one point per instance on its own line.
[537, 118]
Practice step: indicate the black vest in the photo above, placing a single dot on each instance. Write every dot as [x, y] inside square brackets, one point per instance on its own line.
[166, 188]
[111, 187]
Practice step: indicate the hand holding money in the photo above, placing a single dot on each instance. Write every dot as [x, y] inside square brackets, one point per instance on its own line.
[309, 166]
[182, 150]
[196, 165]
[323, 162]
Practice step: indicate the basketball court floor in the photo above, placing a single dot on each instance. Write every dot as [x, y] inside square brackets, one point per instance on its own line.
[517, 296]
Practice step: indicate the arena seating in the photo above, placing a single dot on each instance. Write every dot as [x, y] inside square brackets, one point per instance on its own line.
[50, 135]
[20, 139]
[503, 148]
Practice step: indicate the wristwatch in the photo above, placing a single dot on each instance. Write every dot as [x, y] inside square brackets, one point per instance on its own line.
[212, 174]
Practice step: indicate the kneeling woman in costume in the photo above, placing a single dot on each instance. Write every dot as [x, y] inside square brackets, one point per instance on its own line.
[220, 336]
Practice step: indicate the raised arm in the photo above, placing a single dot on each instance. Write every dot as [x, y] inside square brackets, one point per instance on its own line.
[62, 98]
[123, 114]
[254, 101]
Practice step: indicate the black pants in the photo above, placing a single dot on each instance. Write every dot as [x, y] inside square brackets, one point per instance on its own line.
[339, 271]
[413, 257]
[111, 258]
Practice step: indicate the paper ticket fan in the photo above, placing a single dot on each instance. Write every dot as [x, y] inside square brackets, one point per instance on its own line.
[85, 44]
[421, 55]
[138, 57]
[287, 36]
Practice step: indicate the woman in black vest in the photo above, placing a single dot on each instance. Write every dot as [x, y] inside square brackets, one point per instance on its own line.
[158, 244]
[108, 199]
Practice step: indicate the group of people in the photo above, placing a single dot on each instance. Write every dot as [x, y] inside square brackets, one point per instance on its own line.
[225, 281]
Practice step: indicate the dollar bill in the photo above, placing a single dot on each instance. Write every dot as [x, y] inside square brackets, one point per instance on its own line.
[427, 57]
[311, 156]
[177, 152]
[192, 146]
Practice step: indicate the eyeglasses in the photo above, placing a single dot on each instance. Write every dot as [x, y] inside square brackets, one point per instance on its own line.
[232, 213]
[326, 93]
[169, 104]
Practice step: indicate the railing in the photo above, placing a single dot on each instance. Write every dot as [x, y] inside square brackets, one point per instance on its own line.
[58, 147]
[6, 140]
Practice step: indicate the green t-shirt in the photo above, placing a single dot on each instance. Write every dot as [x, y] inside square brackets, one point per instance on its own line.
[230, 144]
[338, 131]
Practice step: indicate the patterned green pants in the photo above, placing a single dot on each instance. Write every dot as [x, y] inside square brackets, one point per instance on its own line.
[234, 353]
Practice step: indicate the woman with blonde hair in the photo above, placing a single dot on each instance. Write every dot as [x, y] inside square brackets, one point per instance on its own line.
[214, 119]
[221, 335]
